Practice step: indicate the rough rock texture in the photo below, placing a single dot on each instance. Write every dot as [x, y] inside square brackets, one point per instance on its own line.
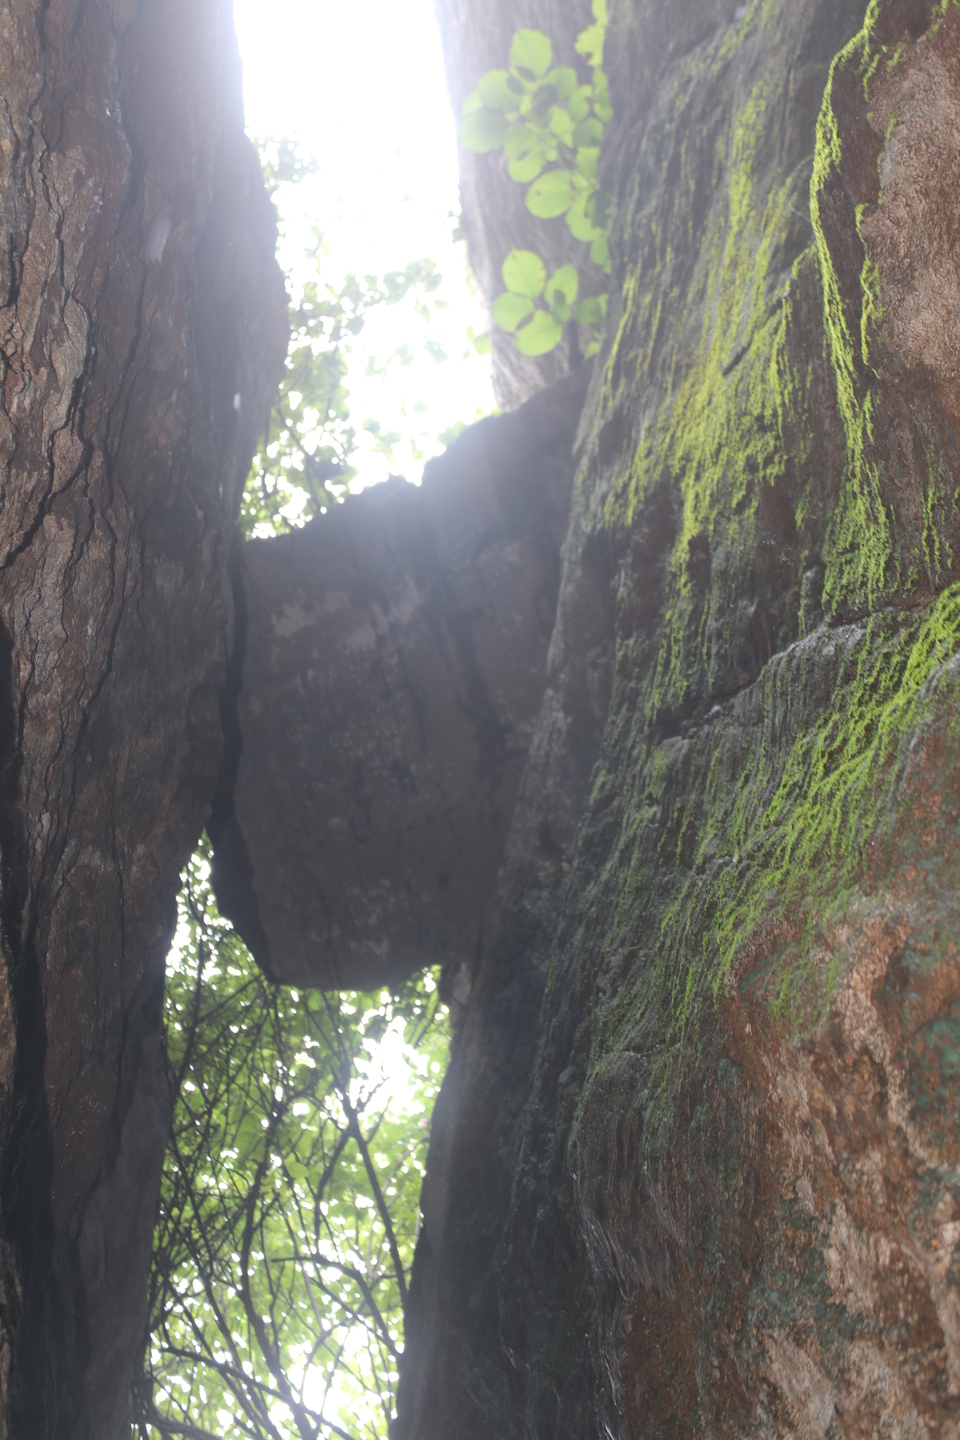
[142, 328]
[693, 1170]
[694, 1166]
[393, 662]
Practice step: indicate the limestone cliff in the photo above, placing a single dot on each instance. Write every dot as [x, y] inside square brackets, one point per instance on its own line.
[657, 756]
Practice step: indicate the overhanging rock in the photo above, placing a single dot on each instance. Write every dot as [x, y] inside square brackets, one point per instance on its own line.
[393, 665]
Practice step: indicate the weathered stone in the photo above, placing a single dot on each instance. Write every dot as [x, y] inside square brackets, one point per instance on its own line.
[693, 1169]
[142, 329]
[394, 659]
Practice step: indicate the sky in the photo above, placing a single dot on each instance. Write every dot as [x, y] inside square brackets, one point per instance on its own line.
[361, 89]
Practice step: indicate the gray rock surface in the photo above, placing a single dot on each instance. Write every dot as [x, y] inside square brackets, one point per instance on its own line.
[394, 660]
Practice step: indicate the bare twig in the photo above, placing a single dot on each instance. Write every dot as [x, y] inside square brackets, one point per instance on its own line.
[378, 1196]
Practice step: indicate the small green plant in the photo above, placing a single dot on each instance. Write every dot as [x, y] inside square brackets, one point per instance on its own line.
[534, 309]
[549, 126]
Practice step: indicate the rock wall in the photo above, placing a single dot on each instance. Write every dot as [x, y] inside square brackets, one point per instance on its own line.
[142, 331]
[693, 1170]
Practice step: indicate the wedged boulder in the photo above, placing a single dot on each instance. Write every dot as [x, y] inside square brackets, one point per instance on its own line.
[394, 659]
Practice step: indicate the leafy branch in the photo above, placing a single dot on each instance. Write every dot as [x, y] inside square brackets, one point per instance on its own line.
[303, 457]
[550, 126]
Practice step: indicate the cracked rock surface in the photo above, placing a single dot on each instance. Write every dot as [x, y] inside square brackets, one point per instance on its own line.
[138, 297]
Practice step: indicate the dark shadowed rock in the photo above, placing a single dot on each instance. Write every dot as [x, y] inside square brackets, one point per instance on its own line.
[142, 330]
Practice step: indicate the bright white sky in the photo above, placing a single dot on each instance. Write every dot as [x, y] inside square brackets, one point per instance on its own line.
[361, 88]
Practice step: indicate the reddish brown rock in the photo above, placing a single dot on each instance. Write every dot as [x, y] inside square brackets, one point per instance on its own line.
[705, 1083]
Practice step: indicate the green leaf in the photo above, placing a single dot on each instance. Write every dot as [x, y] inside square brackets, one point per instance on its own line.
[587, 161]
[480, 343]
[589, 44]
[564, 81]
[526, 153]
[591, 349]
[524, 273]
[523, 171]
[531, 52]
[578, 220]
[592, 310]
[551, 194]
[600, 11]
[543, 102]
[563, 284]
[510, 310]
[600, 253]
[579, 103]
[561, 125]
[542, 334]
[601, 98]
[521, 139]
[483, 130]
[588, 132]
[495, 90]
[600, 208]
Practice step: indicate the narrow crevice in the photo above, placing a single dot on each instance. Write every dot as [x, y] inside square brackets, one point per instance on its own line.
[231, 872]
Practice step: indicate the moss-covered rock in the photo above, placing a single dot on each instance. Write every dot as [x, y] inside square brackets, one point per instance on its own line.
[694, 1168]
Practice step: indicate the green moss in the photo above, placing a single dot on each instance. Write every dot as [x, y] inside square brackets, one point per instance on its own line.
[787, 802]
[870, 557]
[721, 427]
[745, 836]
[861, 559]
[787, 843]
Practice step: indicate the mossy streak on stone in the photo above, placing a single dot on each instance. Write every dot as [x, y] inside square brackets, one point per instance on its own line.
[793, 802]
[715, 854]
[870, 560]
[724, 381]
[860, 554]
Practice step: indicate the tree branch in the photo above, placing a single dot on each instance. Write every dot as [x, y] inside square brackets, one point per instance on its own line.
[378, 1196]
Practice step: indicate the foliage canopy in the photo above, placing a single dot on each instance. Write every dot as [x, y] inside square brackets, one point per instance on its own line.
[303, 459]
[290, 1194]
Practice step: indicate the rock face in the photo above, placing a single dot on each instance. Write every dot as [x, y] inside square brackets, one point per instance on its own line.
[694, 1167]
[143, 326]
